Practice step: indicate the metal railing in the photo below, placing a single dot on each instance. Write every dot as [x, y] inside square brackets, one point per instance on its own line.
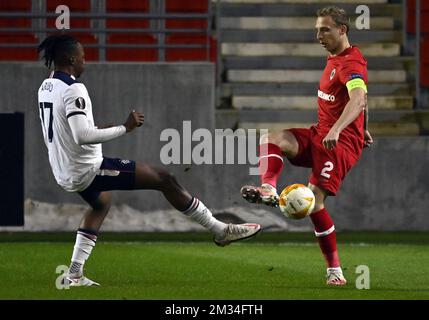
[418, 63]
[98, 17]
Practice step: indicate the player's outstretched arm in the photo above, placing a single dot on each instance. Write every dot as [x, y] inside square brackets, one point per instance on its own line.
[351, 111]
[84, 133]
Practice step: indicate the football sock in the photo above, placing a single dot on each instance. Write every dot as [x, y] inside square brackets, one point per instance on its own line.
[198, 212]
[337, 269]
[75, 268]
[85, 242]
[326, 236]
[270, 163]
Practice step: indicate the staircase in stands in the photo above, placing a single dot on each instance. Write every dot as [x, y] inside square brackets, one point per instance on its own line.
[272, 62]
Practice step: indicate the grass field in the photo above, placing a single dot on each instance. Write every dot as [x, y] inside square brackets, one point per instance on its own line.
[189, 266]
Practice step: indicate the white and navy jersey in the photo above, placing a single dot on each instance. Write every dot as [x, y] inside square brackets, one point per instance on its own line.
[61, 97]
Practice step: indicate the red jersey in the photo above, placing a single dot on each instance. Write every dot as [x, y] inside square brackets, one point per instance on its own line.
[333, 96]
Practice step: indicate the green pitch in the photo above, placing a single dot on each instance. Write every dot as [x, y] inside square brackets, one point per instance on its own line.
[189, 266]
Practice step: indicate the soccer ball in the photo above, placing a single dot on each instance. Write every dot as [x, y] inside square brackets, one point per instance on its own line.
[296, 201]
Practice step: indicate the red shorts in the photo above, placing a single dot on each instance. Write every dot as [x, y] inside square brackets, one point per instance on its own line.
[329, 167]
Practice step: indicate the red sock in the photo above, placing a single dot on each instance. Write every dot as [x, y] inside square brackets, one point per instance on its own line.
[270, 163]
[326, 236]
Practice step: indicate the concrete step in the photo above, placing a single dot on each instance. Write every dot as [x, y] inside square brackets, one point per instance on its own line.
[306, 75]
[278, 35]
[292, 88]
[317, 63]
[303, 49]
[273, 9]
[309, 103]
[294, 115]
[376, 129]
[293, 23]
[381, 122]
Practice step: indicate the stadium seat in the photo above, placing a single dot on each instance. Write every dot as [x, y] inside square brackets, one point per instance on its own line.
[15, 6]
[15, 23]
[424, 67]
[80, 6]
[190, 54]
[130, 6]
[131, 54]
[424, 49]
[411, 16]
[424, 75]
[16, 53]
[186, 6]
[74, 5]
[91, 54]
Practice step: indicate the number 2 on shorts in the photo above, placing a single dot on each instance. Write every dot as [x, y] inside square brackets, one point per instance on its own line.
[328, 167]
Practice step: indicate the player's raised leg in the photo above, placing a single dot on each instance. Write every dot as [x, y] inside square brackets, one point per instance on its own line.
[324, 230]
[156, 178]
[272, 148]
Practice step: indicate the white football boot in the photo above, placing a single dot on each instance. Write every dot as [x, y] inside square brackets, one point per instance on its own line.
[335, 277]
[265, 194]
[236, 232]
[81, 281]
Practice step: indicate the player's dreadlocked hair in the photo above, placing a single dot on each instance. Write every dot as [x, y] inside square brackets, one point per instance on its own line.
[57, 49]
[339, 16]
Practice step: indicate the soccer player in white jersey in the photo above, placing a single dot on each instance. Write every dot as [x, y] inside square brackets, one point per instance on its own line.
[75, 155]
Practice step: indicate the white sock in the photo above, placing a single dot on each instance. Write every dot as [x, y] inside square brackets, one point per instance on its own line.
[337, 269]
[198, 212]
[84, 244]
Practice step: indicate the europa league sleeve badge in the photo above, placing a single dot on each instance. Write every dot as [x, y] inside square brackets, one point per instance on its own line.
[80, 103]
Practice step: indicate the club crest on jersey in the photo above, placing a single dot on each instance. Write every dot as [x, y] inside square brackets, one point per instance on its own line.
[332, 75]
[80, 103]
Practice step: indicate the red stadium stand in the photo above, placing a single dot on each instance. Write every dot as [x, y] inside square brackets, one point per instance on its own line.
[424, 29]
[15, 6]
[132, 54]
[91, 54]
[188, 54]
[126, 54]
[21, 54]
[411, 16]
[81, 6]
[186, 6]
[424, 67]
[130, 6]
[88, 37]
[424, 49]
[15, 37]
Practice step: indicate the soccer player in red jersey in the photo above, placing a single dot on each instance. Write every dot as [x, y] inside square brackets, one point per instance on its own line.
[332, 146]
